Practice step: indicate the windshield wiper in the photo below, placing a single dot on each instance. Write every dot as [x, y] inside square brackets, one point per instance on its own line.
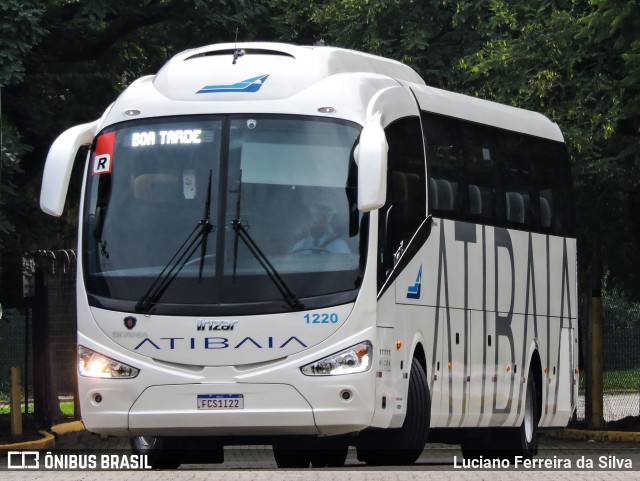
[197, 238]
[206, 228]
[274, 275]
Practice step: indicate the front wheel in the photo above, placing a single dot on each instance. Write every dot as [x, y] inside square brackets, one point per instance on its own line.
[402, 446]
[288, 457]
[171, 452]
[301, 452]
[159, 452]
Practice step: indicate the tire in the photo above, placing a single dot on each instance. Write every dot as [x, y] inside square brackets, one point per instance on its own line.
[158, 451]
[402, 446]
[525, 438]
[171, 452]
[302, 452]
[473, 448]
[293, 452]
[507, 443]
[330, 452]
[289, 458]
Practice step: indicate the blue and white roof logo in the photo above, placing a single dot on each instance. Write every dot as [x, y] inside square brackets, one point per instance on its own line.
[248, 85]
[413, 292]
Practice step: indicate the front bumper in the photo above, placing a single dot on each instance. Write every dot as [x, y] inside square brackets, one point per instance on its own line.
[269, 410]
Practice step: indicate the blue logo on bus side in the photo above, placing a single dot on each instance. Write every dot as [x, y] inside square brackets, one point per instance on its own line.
[248, 85]
[413, 292]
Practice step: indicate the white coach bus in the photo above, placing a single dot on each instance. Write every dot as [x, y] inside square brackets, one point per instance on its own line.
[308, 247]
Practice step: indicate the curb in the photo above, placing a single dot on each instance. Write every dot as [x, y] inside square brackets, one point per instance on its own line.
[66, 428]
[48, 440]
[586, 435]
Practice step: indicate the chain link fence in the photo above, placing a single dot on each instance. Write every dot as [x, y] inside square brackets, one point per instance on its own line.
[15, 339]
[39, 337]
[621, 356]
[621, 339]
[62, 331]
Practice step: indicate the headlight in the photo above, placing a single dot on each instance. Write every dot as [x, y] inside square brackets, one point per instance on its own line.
[94, 364]
[353, 359]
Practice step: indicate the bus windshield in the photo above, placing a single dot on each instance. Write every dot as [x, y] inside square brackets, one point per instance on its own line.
[174, 200]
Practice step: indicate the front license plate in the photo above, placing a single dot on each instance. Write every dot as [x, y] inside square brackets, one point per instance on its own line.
[220, 401]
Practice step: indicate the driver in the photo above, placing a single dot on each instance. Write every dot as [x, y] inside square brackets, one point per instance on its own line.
[320, 238]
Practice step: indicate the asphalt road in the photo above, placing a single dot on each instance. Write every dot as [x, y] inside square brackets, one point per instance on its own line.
[256, 463]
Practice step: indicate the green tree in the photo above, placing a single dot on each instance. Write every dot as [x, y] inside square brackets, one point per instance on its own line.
[429, 36]
[71, 71]
[547, 56]
[20, 30]
[62, 62]
[613, 29]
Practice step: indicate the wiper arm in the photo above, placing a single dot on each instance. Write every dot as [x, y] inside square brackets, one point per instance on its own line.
[274, 275]
[197, 238]
[235, 240]
[173, 267]
[205, 229]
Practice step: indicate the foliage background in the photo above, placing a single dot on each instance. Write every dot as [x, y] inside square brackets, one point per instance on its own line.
[62, 62]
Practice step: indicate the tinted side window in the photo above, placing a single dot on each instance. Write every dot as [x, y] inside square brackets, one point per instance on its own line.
[484, 184]
[405, 208]
[492, 176]
[445, 162]
[516, 179]
[553, 183]
[500, 179]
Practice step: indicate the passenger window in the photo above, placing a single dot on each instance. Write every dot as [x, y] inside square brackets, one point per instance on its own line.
[553, 182]
[517, 180]
[493, 176]
[486, 204]
[405, 208]
[444, 160]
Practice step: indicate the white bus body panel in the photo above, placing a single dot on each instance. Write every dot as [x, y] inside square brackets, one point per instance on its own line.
[470, 293]
[485, 112]
[285, 79]
[290, 70]
[222, 341]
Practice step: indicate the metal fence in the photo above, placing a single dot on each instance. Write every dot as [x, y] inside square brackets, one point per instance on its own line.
[621, 356]
[60, 275]
[15, 339]
[40, 339]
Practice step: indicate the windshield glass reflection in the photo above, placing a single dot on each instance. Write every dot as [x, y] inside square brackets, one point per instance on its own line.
[288, 181]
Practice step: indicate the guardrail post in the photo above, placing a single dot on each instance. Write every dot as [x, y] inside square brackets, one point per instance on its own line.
[15, 403]
[596, 420]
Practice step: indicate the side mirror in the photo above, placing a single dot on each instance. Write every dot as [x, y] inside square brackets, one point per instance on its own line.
[371, 157]
[57, 169]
